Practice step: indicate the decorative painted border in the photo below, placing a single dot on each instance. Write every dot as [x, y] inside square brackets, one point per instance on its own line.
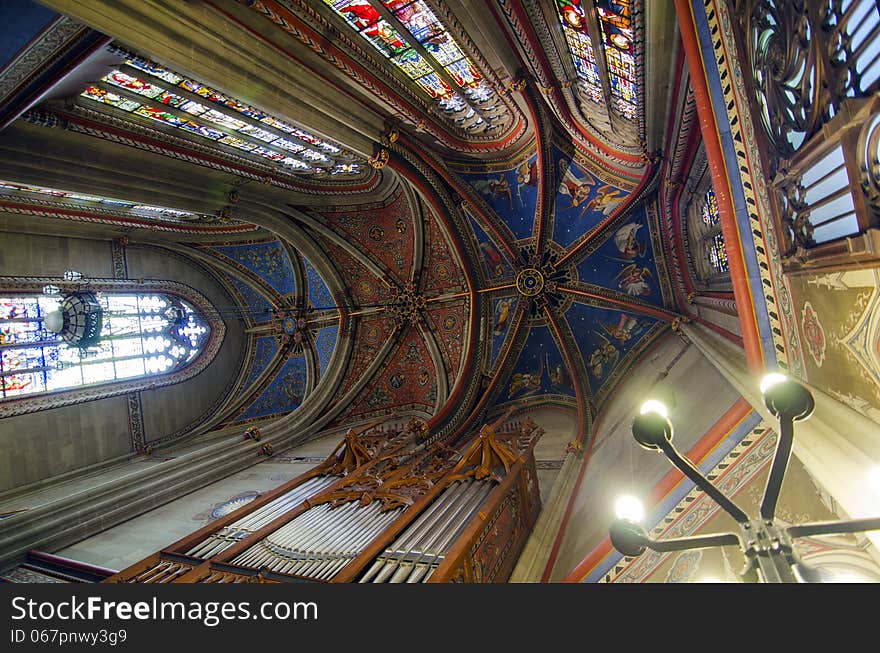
[120, 262]
[68, 210]
[663, 266]
[781, 324]
[698, 170]
[136, 422]
[38, 54]
[682, 125]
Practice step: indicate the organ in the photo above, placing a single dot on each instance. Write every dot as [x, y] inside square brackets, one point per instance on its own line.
[382, 508]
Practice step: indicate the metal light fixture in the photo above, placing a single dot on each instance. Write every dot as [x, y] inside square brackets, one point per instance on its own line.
[766, 545]
[72, 275]
[630, 508]
[78, 320]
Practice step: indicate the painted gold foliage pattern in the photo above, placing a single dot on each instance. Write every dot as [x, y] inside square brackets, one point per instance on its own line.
[407, 381]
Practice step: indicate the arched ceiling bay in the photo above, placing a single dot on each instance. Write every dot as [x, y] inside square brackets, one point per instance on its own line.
[480, 233]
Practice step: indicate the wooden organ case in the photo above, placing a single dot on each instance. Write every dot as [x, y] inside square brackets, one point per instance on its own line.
[380, 509]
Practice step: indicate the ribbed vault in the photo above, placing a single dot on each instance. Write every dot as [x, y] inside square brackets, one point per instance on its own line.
[435, 256]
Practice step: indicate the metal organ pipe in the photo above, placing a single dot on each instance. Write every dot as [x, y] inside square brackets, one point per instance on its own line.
[224, 538]
[285, 534]
[419, 550]
[449, 508]
[316, 529]
[319, 542]
[163, 571]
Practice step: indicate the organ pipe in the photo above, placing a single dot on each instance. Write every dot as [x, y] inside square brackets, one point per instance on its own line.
[382, 508]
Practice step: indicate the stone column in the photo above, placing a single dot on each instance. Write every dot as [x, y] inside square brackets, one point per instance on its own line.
[533, 560]
[727, 306]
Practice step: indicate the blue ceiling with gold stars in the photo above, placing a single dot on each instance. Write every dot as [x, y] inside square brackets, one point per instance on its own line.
[569, 254]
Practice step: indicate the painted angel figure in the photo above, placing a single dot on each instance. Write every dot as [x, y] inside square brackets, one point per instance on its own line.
[502, 315]
[559, 376]
[493, 259]
[627, 241]
[603, 358]
[607, 199]
[526, 175]
[578, 190]
[633, 280]
[492, 188]
[623, 330]
[530, 382]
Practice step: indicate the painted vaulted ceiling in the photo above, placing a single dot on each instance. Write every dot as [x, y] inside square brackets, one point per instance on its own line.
[434, 208]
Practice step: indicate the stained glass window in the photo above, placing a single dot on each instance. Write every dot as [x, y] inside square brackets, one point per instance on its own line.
[146, 89]
[574, 26]
[616, 42]
[617, 39]
[718, 253]
[710, 209]
[145, 210]
[411, 36]
[140, 335]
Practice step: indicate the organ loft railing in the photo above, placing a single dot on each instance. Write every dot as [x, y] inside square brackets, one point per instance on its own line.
[381, 508]
[813, 70]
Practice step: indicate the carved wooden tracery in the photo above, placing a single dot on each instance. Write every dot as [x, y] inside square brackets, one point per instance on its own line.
[814, 69]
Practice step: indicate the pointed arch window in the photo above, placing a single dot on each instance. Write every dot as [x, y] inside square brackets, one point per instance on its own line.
[410, 36]
[54, 342]
[710, 209]
[602, 28]
[706, 247]
[143, 88]
[574, 27]
[717, 253]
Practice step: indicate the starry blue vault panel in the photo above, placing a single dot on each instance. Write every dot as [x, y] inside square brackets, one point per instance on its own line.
[604, 338]
[513, 194]
[540, 369]
[625, 261]
[283, 395]
[495, 263]
[582, 200]
[503, 310]
[259, 307]
[319, 293]
[325, 343]
[269, 261]
[22, 22]
[264, 352]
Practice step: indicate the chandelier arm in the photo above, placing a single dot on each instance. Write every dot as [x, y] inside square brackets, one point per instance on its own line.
[693, 542]
[781, 458]
[829, 527]
[688, 469]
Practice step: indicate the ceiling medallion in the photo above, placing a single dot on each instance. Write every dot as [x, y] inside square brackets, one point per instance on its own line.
[538, 280]
[406, 304]
[290, 324]
[529, 282]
